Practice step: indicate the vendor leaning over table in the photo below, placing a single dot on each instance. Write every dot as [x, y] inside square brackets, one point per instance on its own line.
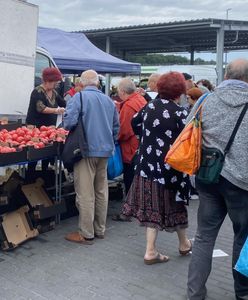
[45, 105]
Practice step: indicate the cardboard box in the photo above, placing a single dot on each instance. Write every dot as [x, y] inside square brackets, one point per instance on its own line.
[42, 207]
[16, 228]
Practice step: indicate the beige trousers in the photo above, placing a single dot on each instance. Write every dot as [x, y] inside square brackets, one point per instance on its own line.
[91, 187]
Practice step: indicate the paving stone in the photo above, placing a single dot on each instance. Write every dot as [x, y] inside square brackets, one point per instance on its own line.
[49, 267]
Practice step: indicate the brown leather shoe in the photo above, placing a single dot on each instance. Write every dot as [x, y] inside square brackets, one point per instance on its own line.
[76, 237]
[99, 236]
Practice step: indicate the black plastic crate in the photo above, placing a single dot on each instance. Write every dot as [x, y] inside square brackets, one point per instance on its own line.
[13, 158]
[41, 212]
[48, 151]
[11, 125]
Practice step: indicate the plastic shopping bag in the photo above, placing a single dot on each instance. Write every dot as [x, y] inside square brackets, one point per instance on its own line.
[242, 263]
[115, 165]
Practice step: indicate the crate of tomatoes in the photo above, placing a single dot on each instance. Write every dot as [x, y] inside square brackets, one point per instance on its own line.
[28, 143]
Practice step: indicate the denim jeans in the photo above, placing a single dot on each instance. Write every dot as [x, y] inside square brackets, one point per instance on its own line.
[216, 201]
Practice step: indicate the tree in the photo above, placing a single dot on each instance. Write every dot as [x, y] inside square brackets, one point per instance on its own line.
[161, 59]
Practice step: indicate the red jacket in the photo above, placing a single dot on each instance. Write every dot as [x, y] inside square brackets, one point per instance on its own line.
[71, 92]
[127, 139]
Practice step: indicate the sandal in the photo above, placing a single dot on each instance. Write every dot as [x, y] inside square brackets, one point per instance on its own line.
[186, 252]
[159, 258]
[121, 218]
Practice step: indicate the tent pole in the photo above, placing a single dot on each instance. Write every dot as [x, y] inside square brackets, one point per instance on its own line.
[192, 59]
[107, 86]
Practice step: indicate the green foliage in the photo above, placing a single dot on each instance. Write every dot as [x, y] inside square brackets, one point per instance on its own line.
[160, 59]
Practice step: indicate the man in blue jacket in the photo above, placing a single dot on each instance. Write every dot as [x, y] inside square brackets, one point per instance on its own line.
[101, 123]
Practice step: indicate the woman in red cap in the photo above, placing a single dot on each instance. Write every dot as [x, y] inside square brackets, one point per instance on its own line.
[45, 103]
[44, 107]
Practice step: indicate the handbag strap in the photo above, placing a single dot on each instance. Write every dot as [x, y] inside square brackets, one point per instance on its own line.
[81, 106]
[200, 104]
[241, 116]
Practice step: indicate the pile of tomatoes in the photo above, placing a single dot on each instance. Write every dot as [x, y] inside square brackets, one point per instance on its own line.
[16, 140]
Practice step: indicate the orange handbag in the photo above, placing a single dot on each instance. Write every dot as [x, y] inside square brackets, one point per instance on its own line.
[185, 153]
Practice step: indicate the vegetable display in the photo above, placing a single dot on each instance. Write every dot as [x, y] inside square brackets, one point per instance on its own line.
[16, 140]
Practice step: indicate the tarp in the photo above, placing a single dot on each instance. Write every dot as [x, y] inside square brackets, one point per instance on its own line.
[74, 53]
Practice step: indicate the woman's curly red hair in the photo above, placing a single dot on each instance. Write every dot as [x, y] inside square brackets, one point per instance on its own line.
[171, 85]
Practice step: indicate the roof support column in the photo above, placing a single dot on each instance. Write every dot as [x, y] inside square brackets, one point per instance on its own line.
[219, 53]
[108, 44]
[107, 86]
[192, 56]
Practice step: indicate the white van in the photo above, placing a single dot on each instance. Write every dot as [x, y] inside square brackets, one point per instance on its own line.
[17, 108]
[197, 72]
[42, 60]
[21, 62]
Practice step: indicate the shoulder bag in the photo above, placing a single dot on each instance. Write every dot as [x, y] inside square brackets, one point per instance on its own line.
[76, 146]
[185, 153]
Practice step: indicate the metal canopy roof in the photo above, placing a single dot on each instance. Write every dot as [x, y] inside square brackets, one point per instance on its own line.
[183, 36]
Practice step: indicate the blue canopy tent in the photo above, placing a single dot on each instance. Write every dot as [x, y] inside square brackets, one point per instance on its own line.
[74, 53]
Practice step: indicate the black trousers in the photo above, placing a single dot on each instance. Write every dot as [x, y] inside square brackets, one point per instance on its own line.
[216, 201]
[128, 174]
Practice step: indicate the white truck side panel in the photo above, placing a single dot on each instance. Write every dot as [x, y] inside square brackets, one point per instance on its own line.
[18, 23]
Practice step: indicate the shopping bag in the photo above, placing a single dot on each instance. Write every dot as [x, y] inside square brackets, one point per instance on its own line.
[185, 153]
[242, 263]
[115, 165]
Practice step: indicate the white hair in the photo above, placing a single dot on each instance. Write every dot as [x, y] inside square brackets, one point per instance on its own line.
[89, 77]
[127, 86]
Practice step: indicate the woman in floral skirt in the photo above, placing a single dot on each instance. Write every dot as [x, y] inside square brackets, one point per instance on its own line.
[159, 193]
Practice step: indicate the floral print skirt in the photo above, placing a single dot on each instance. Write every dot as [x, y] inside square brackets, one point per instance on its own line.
[155, 206]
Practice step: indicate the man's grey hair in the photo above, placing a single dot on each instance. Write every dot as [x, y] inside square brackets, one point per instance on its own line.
[89, 77]
[237, 69]
[127, 85]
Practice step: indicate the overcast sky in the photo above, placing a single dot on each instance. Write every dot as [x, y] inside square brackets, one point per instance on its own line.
[70, 15]
[90, 14]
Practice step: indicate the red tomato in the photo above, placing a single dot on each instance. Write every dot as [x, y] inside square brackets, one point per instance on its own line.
[43, 128]
[14, 136]
[20, 131]
[20, 139]
[41, 145]
[27, 137]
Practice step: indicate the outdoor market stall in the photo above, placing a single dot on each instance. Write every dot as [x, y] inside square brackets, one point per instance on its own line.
[21, 145]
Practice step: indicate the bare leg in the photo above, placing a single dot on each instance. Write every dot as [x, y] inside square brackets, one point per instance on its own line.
[184, 243]
[151, 237]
